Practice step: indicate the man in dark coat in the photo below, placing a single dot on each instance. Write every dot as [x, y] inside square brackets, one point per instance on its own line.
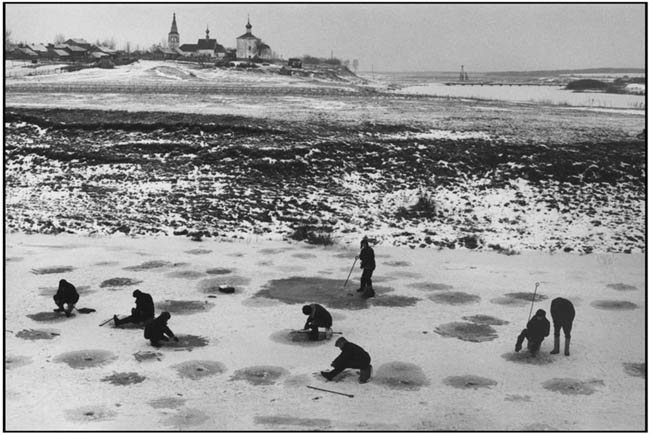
[352, 356]
[157, 330]
[367, 256]
[142, 312]
[563, 313]
[535, 332]
[318, 317]
[66, 294]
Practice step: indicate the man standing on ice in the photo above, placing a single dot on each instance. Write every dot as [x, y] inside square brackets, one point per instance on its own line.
[563, 313]
[318, 317]
[156, 330]
[367, 256]
[352, 356]
[66, 294]
[536, 330]
[142, 312]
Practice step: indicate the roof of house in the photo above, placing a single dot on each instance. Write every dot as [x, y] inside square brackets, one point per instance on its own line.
[104, 49]
[98, 54]
[263, 46]
[25, 50]
[188, 47]
[61, 53]
[165, 50]
[38, 48]
[78, 41]
[75, 48]
[247, 36]
[207, 44]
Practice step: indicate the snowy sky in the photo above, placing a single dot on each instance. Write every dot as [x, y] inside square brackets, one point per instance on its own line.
[384, 37]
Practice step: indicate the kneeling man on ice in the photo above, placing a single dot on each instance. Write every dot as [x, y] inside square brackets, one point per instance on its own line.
[352, 356]
[318, 316]
[157, 330]
[535, 332]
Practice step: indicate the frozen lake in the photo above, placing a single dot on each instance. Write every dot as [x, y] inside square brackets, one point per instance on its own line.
[553, 95]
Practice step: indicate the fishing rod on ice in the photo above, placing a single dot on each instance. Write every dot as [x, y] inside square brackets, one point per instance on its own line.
[533, 302]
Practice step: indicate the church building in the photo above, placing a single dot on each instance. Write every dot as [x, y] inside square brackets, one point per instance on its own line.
[250, 46]
[173, 38]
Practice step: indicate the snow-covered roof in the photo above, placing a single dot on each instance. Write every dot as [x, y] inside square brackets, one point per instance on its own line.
[247, 36]
[39, 48]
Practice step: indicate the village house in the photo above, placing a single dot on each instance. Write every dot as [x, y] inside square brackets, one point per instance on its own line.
[250, 46]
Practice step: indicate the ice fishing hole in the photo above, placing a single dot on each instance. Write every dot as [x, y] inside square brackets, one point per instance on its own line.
[313, 424]
[525, 358]
[614, 305]
[149, 265]
[183, 307]
[518, 299]
[187, 342]
[469, 382]
[271, 251]
[401, 376]
[186, 418]
[328, 292]
[14, 259]
[185, 274]
[454, 298]
[394, 301]
[622, 287]
[485, 319]
[53, 270]
[211, 285]
[259, 375]
[93, 413]
[295, 337]
[167, 402]
[635, 369]
[198, 251]
[124, 378]
[304, 255]
[428, 286]
[119, 282]
[86, 358]
[396, 263]
[48, 317]
[467, 331]
[218, 270]
[12, 362]
[199, 369]
[143, 356]
[33, 335]
[571, 386]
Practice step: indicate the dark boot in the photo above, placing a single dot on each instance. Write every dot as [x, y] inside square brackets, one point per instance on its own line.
[327, 375]
[365, 374]
[369, 292]
[116, 320]
[567, 342]
[556, 345]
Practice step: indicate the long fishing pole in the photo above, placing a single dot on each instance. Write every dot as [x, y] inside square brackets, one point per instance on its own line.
[533, 302]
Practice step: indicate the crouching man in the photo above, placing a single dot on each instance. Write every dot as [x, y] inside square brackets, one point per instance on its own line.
[352, 356]
[142, 312]
[66, 294]
[563, 313]
[318, 316]
[157, 330]
[536, 330]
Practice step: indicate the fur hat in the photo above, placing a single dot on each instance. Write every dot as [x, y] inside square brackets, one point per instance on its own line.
[306, 309]
[541, 312]
[137, 292]
[340, 342]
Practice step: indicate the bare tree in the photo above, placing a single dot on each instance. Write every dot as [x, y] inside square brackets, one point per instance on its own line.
[59, 39]
[355, 64]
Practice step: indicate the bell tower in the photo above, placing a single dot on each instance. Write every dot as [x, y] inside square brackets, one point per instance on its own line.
[173, 38]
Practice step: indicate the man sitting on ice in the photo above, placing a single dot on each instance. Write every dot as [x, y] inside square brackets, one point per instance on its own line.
[352, 356]
[536, 330]
[142, 312]
[66, 294]
[156, 330]
[318, 316]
